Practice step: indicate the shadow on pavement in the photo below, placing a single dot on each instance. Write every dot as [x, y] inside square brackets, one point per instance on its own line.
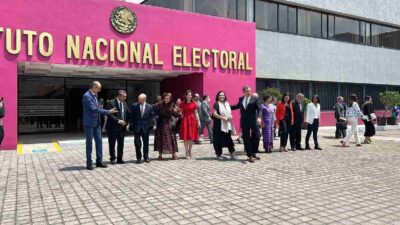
[72, 168]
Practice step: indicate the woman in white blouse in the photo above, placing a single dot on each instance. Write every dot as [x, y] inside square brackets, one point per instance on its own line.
[353, 112]
[312, 119]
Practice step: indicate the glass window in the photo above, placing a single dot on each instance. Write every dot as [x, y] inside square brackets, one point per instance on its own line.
[373, 91]
[241, 10]
[324, 26]
[331, 26]
[365, 32]
[347, 30]
[383, 36]
[170, 4]
[266, 15]
[294, 87]
[309, 23]
[327, 93]
[348, 89]
[221, 8]
[292, 20]
[283, 18]
[41, 103]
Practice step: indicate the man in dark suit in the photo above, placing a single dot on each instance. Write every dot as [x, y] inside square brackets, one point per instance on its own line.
[249, 122]
[340, 116]
[116, 126]
[91, 123]
[298, 111]
[142, 120]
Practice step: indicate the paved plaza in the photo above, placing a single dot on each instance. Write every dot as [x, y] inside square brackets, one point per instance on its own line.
[334, 186]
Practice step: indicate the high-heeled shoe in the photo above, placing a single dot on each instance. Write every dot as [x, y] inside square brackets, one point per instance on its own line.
[174, 157]
[160, 157]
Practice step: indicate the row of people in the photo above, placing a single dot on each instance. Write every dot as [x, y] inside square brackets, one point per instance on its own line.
[140, 119]
[163, 117]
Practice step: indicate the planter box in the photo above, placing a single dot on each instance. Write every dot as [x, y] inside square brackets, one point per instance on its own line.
[391, 121]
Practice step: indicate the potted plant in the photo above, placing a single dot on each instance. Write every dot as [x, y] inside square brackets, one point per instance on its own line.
[389, 99]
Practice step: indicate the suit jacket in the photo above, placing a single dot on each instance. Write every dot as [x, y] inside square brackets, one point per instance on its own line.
[340, 111]
[205, 115]
[248, 115]
[112, 121]
[298, 113]
[281, 111]
[141, 124]
[91, 110]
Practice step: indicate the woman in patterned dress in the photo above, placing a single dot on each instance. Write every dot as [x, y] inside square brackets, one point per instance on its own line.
[268, 123]
[189, 131]
[164, 135]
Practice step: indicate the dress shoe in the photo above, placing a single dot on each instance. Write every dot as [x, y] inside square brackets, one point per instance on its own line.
[90, 167]
[251, 160]
[293, 149]
[256, 158]
[147, 160]
[300, 148]
[139, 161]
[317, 148]
[358, 145]
[112, 162]
[121, 162]
[308, 147]
[101, 165]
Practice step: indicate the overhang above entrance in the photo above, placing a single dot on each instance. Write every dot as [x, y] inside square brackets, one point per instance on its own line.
[66, 70]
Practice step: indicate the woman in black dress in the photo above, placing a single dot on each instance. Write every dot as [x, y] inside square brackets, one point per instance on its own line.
[368, 111]
[164, 135]
[222, 129]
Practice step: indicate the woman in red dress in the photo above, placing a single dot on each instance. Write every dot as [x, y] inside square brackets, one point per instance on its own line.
[190, 123]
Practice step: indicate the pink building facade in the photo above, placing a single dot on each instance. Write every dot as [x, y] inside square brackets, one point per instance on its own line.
[211, 53]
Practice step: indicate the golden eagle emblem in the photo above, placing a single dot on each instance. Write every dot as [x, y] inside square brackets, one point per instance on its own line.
[123, 20]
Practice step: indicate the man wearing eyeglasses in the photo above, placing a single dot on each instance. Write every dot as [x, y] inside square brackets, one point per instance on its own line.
[92, 124]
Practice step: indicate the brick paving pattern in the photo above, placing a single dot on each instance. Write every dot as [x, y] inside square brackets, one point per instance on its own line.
[334, 186]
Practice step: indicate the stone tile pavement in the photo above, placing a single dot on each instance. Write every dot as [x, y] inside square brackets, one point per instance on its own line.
[334, 186]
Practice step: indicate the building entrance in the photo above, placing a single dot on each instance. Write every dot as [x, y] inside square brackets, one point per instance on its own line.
[51, 101]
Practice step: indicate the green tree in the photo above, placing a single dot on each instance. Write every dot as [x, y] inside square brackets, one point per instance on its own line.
[273, 92]
[389, 99]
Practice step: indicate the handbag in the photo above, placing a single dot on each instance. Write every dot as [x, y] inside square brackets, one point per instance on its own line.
[174, 122]
[373, 116]
[341, 125]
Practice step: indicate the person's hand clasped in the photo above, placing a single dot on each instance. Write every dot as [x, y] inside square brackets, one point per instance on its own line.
[112, 111]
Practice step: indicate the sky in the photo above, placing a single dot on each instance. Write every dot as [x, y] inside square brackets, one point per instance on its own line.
[134, 1]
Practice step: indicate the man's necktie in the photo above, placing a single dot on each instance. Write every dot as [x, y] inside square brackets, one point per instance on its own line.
[142, 110]
[246, 101]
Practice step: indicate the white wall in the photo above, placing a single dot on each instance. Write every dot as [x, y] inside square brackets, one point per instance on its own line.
[286, 56]
[378, 10]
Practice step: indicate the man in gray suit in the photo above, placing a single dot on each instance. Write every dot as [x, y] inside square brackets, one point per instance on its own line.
[340, 116]
[205, 117]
